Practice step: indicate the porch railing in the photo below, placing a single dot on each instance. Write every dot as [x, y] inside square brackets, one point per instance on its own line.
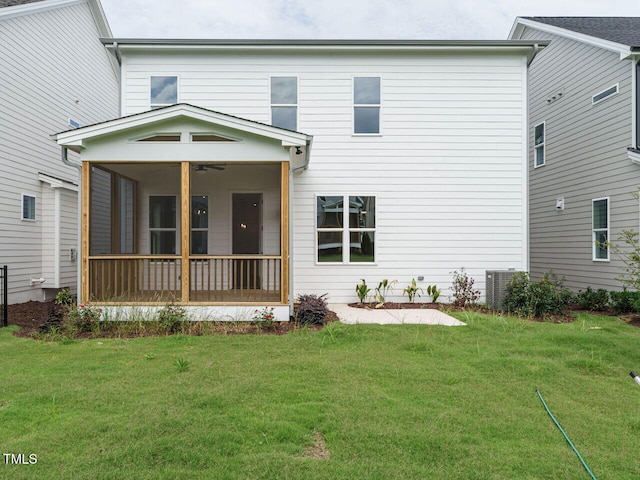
[213, 279]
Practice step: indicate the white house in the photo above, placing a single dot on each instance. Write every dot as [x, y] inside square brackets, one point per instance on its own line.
[204, 192]
[55, 75]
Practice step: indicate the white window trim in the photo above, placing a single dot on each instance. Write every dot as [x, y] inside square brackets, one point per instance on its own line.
[296, 105]
[160, 105]
[177, 220]
[35, 202]
[345, 229]
[542, 145]
[595, 102]
[594, 230]
[355, 105]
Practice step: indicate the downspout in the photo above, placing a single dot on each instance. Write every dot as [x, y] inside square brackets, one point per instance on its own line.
[304, 166]
[66, 161]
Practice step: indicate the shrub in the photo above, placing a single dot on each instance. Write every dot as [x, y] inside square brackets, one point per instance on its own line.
[625, 301]
[462, 288]
[171, 318]
[64, 297]
[434, 292]
[594, 300]
[264, 318]
[312, 309]
[528, 298]
[84, 318]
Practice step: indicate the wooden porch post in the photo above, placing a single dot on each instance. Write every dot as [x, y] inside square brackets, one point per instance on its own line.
[284, 232]
[84, 232]
[186, 229]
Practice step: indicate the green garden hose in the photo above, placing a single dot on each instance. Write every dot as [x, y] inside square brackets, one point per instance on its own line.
[566, 437]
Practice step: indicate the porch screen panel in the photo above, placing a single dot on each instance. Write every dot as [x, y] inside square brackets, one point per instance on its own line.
[126, 215]
[162, 224]
[100, 218]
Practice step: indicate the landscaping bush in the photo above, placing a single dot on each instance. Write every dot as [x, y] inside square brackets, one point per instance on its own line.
[463, 292]
[525, 297]
[171, 318]
[594, 300]
[625, 301]
[312, 309]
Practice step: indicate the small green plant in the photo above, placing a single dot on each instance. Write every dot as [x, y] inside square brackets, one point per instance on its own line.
[384, 288]
[171, 318]
[412, 290]
[64, 297]
[463, 292]
[264, 318]
[434, 292]
[312, 309]
[149, 356]
[181, 364]
[594, 300]
[362, 290]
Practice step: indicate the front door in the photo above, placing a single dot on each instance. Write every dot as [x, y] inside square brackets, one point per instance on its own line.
[247, 238]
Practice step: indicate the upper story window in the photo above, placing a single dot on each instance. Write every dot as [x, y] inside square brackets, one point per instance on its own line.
[366, 105]
[284, 102]
[163, 91]
[599, 97]
[600, 208]
[538, 144]
[28, 207]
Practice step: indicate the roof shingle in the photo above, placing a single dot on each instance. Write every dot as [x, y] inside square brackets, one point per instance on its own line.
[623, 30]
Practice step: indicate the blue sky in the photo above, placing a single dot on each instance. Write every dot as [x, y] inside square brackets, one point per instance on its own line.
[315, 19]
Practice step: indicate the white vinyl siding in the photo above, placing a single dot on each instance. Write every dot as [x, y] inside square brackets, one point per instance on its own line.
[600, 213]
[52, 67]
[448, 174]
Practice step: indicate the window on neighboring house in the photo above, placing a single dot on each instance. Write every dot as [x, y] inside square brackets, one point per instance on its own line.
[164, 91]
[366, 105]
[598, 97]
[162, 224]
[345, 235]
[538, 144]
[28, 207]
[199, 224]
[600, 208]
[284, 102]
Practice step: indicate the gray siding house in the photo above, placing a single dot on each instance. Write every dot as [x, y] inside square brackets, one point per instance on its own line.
[583, 135]
[55, 75]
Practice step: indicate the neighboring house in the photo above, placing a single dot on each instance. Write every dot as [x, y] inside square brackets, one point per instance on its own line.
[54, 74]
[412, 164]
[583, 140]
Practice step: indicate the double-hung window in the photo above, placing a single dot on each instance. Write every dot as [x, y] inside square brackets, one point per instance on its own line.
[199, 224]
[284, 102]
[162, 224]
[366, 105]
[28, 207]
[600, 208]
[163, 91]
[345, 228]
[538, 144]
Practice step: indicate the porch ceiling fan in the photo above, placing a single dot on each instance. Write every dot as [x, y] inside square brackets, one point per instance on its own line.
[203, 167]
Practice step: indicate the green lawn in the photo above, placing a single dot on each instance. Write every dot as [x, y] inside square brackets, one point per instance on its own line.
[376, 402]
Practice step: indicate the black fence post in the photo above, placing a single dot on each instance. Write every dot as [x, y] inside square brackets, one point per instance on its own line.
[3, 297]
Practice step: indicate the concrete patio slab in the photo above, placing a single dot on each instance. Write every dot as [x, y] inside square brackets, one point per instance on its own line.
[426, 316]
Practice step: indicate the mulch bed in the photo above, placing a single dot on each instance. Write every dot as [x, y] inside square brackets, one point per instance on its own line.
[32, 317]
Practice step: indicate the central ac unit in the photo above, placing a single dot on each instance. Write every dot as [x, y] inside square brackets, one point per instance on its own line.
[496, 282]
